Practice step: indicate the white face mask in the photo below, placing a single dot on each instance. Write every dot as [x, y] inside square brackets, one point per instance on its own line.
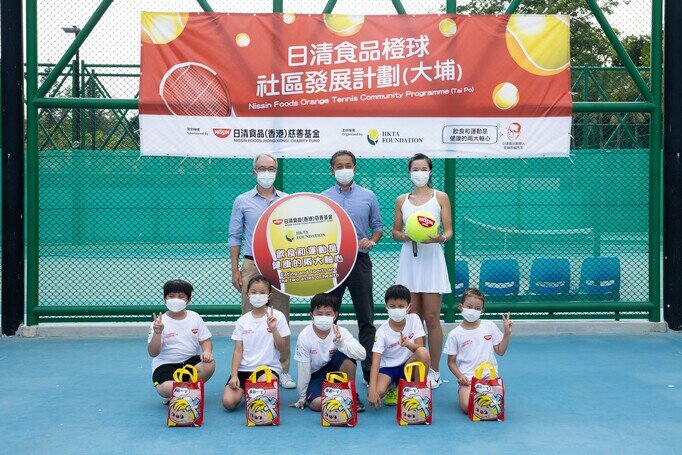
[266, 179]
[420, 178]
[397, 314]
[175, 305]
[323, 323]
[258, 300]
[344, 176]
[471, 315]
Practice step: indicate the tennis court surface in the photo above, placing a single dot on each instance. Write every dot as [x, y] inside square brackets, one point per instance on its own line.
[565, 394]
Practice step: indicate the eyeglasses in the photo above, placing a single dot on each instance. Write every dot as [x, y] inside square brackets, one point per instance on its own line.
[266, 169]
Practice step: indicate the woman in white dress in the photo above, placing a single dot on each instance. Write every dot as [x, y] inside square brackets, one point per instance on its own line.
[425, 274]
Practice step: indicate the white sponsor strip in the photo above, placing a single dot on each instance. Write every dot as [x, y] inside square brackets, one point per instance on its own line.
[304, 137]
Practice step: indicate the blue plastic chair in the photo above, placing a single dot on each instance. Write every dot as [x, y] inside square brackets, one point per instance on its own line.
[499, 277]
[549, 276]
[600, 277]
[461, 277]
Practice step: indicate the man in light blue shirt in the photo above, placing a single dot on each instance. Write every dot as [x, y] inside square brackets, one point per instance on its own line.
[246, 210]
[362, 206]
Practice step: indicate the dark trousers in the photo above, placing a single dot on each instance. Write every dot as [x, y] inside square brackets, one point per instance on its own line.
[359, 282]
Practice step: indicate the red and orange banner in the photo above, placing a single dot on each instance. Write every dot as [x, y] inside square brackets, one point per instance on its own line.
[217, 84]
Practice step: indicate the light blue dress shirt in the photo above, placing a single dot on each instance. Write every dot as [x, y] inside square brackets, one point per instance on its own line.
[246, 210]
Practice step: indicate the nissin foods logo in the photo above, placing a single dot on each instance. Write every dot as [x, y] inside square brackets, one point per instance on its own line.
[278, 221]
[374, 136]
[222, 133]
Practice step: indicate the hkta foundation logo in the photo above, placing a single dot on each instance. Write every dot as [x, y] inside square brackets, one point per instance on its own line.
[373, 136]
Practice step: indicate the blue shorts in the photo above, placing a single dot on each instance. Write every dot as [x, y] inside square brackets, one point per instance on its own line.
[395, 373]
[316, 379]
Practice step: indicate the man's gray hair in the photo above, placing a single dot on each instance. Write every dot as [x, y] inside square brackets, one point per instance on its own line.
[261, 155]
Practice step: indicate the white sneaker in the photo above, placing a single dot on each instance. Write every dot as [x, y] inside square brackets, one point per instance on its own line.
[434, 379]
[287, 381]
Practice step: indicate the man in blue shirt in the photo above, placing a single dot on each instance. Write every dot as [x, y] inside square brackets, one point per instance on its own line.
[362, 206]
[246, 210]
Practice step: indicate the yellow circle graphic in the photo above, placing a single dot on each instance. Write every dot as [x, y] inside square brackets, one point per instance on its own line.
[343, 24]
[288, 18]
[539, 44]
[242, 39]
[447, 27]
[162, 28]
[505, 96]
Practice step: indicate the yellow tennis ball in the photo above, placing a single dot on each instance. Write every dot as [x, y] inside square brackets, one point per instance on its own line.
[242, 39]
[447, 27]
[162, 28]
[505, 96]
[288, 18]
[421, 226]
[343, 24]
[539, 44]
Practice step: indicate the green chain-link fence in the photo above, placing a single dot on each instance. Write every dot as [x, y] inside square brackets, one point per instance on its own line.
[113, 226]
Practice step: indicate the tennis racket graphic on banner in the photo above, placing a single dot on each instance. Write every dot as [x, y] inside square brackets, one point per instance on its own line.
[194, 89]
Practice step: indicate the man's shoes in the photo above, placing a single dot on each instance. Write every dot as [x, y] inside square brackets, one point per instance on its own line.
[391, 398]
[434, 379]
[286, 381]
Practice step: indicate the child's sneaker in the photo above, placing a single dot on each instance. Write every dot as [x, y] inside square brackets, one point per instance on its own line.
[361, 405]
[434, 379]
[391, 398]
[287, 381]
[165, 401]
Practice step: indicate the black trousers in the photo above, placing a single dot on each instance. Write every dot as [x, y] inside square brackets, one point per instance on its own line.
[359, 283]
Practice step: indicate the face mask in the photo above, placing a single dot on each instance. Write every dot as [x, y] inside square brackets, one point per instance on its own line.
[323, 323]
[258, 300]
[266, 179]
[397, 314]
[344, 176]
[471, 315]
[420, 178]
[175, 305]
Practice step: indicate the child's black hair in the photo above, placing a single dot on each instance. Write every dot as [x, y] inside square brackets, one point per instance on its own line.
[259, 279]
[475, 293]
[178, 286]
[397, 292]
[324, 300]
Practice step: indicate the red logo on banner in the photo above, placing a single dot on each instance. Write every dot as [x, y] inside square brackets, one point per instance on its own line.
[277, 221]
[222, 133]
[426, 221]
[488, 337]
[195, 331]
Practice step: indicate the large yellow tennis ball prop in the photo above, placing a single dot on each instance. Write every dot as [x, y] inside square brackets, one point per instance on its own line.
[421, 226]
[539, 44]
[162, 28]
[505, 96]
[343, 24]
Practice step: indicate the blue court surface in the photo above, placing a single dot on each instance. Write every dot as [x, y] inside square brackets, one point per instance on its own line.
[565, 394]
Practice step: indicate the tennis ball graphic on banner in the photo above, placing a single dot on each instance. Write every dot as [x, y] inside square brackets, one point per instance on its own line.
[162, 28]
[539, 44]
[242, 39]
[343, 24]
[505, 96]
[421, 226]
[447, 27]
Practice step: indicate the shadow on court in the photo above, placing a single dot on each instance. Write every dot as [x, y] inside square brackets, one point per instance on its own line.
[565, 394]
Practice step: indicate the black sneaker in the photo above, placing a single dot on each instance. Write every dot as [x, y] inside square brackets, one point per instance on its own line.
[361, 405]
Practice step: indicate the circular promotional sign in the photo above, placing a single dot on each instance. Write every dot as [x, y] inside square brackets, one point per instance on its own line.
[305, 244]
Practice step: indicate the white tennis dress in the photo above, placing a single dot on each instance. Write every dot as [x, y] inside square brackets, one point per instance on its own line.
[426, 272]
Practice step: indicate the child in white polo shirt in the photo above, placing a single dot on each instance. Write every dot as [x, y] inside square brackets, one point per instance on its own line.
[473, 342]
[259, 339]
[177, 338]
[323, 347]
[398, 341]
